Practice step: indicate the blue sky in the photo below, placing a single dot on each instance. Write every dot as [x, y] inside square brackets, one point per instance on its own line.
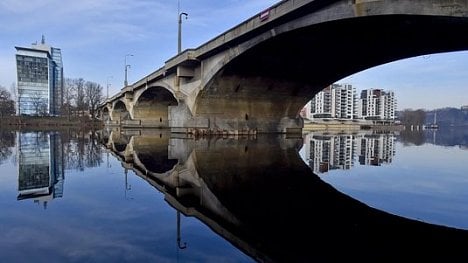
[95, 36]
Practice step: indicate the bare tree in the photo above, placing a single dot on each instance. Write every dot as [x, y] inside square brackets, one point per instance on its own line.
[69, 94]
[38, 103]
[93, 96]
[14, 93]
[80, 95]
[413, 117]
[7, 106]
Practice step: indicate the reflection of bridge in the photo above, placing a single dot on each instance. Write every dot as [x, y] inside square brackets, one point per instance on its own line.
[257, 193]
[257, 76]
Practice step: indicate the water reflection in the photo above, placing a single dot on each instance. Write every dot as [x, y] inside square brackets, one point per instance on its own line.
[43, 156]
[7, 141]
[40, 167]
[328, 151]
[257, 193]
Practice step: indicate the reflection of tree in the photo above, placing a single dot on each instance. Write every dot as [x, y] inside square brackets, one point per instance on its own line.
[7, 141]
[448, 137]
[81, 150]
[412, 137]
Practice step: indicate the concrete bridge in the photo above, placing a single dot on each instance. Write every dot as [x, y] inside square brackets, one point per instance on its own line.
[257, 76]
[257, 193]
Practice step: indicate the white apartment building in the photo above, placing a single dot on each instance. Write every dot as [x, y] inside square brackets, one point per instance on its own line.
[335, 101]
[377, 104]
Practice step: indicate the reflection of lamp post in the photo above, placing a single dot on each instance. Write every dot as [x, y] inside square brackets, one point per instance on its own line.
[126, 67]
[128, 187]
[178, 233]
[180, 31]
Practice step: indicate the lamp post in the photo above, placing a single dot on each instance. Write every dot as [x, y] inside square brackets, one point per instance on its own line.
[180, 31]
[107, 86]
[126, 69]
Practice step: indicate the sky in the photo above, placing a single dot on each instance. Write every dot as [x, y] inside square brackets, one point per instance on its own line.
[96, 35]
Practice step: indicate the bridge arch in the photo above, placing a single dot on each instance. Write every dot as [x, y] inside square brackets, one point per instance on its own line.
[105, 115]
[120, 111]
[152, 105]
[272, 76]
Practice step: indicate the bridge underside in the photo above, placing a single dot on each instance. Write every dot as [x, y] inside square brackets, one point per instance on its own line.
[264, 88]
[152, 107]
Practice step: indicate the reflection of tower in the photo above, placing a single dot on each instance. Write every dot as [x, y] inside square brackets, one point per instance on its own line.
[331, 152]
[128, 187]
[376, 149]
[342, 152]
[320, 154]
[40, 167]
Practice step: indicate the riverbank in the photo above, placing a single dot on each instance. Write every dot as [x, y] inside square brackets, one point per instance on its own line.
[350, 125]
[49, 122]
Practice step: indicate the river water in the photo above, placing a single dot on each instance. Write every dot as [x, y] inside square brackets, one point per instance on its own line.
[152, 196]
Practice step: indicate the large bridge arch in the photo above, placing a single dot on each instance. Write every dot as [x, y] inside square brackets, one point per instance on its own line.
[152, 105]
[120, 111]
[273, 75]
[258, 75]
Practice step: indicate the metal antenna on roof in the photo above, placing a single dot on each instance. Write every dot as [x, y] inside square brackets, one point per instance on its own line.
[43, 40]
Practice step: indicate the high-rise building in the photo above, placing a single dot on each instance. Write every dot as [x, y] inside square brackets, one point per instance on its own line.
[377, 104]
[39, 79]
[335, 101]
[330, 152]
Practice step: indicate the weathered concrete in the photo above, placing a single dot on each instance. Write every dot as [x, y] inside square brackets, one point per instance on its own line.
[257, 76]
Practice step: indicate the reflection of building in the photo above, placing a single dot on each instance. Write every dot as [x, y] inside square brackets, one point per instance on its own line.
[39, 78]
[376, 149]
[40, 167]
[329, 152]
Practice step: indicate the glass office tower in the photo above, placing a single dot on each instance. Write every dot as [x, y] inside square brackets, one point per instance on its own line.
[39, 79]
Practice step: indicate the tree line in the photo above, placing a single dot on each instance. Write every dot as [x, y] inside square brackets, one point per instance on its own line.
[410, 117]
[79, 98]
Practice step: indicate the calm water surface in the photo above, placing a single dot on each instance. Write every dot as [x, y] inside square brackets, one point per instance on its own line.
[149, 196]
[421, 175]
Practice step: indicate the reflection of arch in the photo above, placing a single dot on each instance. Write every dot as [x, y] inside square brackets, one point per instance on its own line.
[120, 111]
[153, 105]
[157, 162]
[120, 147]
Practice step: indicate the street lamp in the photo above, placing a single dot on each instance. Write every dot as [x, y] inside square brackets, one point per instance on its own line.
[180, 31]
[108, 84]
[126, 69]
